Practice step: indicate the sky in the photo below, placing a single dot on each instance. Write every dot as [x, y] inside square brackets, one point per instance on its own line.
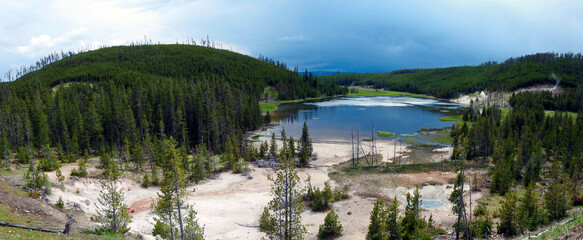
[318, 35]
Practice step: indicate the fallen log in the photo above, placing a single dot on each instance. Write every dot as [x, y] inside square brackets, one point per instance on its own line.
[30, 227]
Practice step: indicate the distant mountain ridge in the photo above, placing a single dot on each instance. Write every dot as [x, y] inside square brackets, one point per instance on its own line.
[450, 82]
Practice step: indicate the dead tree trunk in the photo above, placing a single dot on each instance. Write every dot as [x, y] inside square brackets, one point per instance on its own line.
[33, 228]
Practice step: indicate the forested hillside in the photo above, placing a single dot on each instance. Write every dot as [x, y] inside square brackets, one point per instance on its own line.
[108, 98]
[514, 73]
[536, 160]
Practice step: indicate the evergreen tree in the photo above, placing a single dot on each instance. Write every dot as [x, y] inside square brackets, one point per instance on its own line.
[508, 224]
[82, 167]
[273, 147]
[412, 225]
[112, 213]
[109, 165]
[286, 205]
[137, 155]
[266, 221]
[482, 226]
[459, 209]
[263, 150]
[267, 119]
[305, 146]
[60, 204]
[376, 229]
[331, 228]
[392, 220]
[292, 148]
[171, 220]
[60, 178]
[36, 179]
[529, 211]
[5, 151]
[228, 156]
[556, 199]
[192, 230]
[48, 162]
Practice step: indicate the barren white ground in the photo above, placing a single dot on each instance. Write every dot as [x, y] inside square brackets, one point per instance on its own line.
[229, 205]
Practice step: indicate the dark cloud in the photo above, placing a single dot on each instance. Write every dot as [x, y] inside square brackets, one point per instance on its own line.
[321, 35]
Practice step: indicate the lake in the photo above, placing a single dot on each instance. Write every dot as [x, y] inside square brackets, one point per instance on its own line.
[334, 119]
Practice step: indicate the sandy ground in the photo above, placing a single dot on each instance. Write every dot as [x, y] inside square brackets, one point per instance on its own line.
[466, 99]
[229, 205]
[501, 98]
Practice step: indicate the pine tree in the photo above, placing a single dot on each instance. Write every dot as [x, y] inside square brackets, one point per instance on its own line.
[331, 228]
[459, 207]
[508, 224]
[392, 220]
[263, 150]
[228, 155]
[266, 221]
[192, 230]
[376, 228]
[36, 179]
[170, 209]
[5, 151]
[412, 225]
[529, 211]
[483, 225]
[273, 147]
[112, 213]
[109, 166]
[305, 146]
[292, 147]
[556, 200]
[60, 204]
[82, 167]
[60, 178]
[267, 119]
[286, 205]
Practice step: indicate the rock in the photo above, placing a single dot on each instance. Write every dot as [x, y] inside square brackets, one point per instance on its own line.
[87, 202]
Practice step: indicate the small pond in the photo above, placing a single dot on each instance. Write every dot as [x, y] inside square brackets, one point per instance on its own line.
[430, 204]
[334, 119]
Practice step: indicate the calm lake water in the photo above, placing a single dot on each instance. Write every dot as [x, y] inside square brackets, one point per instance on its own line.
[334, 119]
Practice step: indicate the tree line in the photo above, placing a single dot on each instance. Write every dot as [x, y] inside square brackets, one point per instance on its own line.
[512, 74]
[536, 161]
[125, 97]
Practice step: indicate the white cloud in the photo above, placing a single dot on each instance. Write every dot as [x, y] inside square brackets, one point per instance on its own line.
[294, 38]
[44, 43]
[325, 34]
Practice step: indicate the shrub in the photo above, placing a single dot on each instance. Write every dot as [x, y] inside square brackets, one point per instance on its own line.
[60, 204]
[266, 222]
[331, 228]
[146, 181]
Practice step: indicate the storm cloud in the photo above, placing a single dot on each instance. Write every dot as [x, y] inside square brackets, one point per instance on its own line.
[320, 35]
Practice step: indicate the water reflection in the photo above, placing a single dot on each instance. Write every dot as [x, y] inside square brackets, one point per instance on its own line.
[334, 119]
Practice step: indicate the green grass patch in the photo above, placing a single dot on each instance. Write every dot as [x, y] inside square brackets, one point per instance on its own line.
[504, 112]
[7, 215]
[272, 105]
[443, 138]
[10, 233]
[444, 166]
[559, 231]
[413, 136]
[385, 134]
[419, 144]
[456, 118]
[573, 115]
[381, 92]
[255, 138]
